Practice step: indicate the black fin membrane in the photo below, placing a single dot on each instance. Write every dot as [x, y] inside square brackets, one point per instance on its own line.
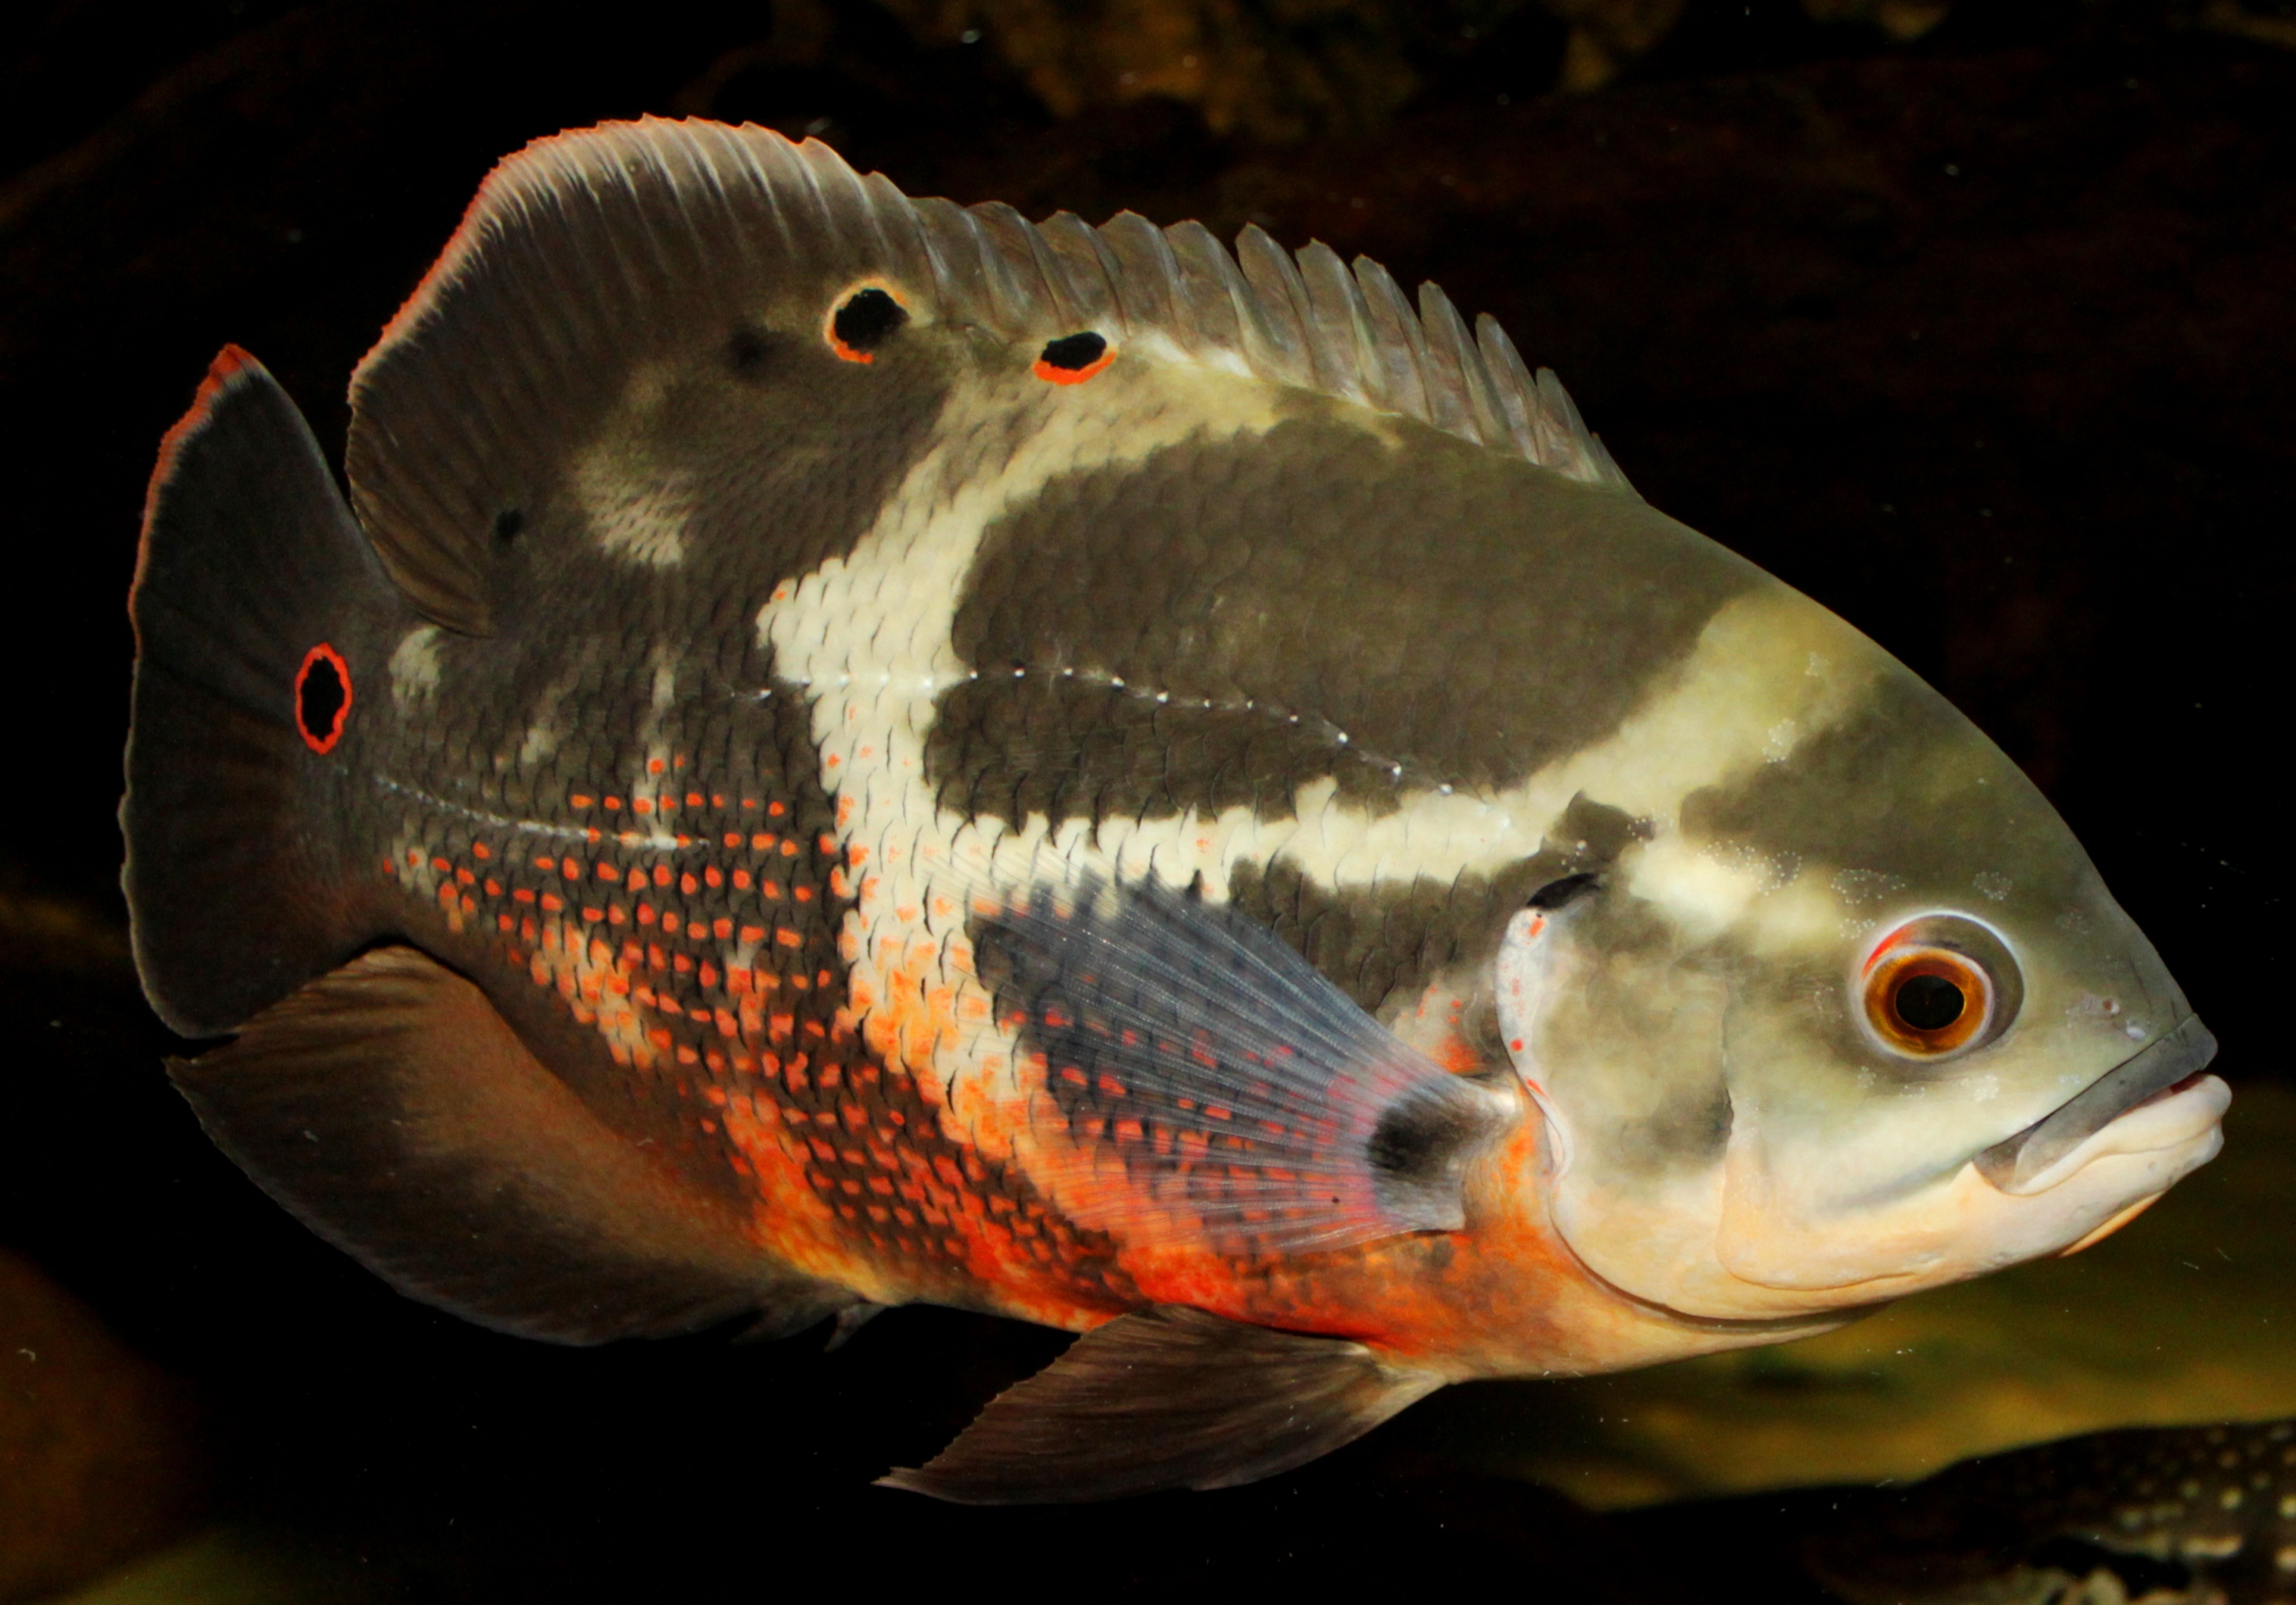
[1166, 1398]
[250, 563]
[395, 1113]
[1248, 1099]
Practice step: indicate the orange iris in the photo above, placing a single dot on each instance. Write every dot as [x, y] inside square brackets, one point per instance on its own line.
[1928, 1000]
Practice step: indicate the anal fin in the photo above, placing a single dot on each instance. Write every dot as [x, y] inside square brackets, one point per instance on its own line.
[1166, 1398]
[390, 1108]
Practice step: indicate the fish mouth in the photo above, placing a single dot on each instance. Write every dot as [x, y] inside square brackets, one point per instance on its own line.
[2161, 1067]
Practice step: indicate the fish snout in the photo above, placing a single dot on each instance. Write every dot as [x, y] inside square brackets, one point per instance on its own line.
[2157, 1099]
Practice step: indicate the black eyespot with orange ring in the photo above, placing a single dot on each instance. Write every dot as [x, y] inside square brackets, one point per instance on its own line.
[863, 321]
[1939, 984]
[1073, 359]
[321, 698]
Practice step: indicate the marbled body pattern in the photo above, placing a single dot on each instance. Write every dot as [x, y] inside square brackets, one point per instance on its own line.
[845, 751]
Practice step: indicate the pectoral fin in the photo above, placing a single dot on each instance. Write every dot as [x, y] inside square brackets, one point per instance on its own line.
[389, 1106]
[1246, 1100]
[1166, 1398]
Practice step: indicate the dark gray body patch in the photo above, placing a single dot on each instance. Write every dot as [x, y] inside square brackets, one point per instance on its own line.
[1307, 604]
[1904, 792]
[1383, 945]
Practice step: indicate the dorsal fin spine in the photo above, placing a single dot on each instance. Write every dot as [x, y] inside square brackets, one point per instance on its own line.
[954, 247]
[1397, 342]
[1342, 327]
[1517, 395]
[1090, 269]
[1268, 268]
[1202, 268]
[1147, 284]
[1038, 300]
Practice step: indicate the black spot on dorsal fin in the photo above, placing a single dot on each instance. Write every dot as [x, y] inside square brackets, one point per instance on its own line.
[864, 321]
[1073, 353]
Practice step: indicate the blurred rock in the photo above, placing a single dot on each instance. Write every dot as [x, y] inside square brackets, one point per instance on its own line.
[100, 1455]
[1275, 70]
[1607, 34]
[2266, 21]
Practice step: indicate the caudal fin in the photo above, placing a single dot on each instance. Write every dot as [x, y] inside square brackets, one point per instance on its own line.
[257, 604]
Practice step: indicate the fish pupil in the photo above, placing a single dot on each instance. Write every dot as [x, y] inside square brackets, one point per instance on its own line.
[1929, 1002]
[866, 318]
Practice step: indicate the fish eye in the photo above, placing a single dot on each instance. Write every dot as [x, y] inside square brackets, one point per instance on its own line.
[1938, 985]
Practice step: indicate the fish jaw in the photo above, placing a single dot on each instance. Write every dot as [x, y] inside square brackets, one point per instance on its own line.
[1964, 1225]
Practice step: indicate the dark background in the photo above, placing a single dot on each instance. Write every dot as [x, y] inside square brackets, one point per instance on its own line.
[1983, 339]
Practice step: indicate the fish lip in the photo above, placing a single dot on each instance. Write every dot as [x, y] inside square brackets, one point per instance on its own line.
[2162, 1064]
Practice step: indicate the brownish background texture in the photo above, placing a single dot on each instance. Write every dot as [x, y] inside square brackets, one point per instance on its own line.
[1974, 323]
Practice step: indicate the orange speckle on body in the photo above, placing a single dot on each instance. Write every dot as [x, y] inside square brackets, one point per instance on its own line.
[480, 850]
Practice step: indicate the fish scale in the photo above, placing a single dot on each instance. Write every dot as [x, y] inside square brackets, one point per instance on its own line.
[693, 931]
[845, 751]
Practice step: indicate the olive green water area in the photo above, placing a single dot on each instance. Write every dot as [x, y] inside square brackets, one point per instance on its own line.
[2187, 1315]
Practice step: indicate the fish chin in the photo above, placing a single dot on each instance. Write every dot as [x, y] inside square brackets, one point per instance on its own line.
[1730, 1245]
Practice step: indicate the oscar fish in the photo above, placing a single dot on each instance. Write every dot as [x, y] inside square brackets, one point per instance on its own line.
[842, 751]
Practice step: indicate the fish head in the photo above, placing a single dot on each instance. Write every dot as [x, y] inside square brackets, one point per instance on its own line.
[1853, 1018]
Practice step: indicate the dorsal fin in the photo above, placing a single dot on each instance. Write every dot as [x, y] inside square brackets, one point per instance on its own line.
[628, 237]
